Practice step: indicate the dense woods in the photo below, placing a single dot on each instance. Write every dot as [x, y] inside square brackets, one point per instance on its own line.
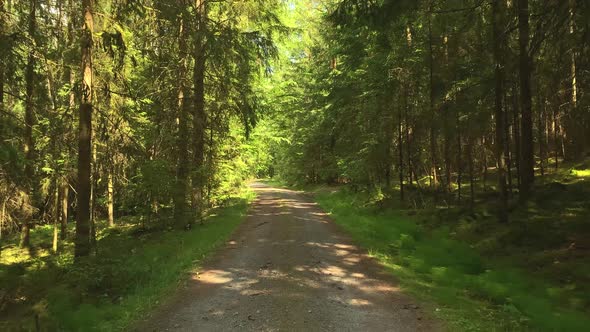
[112, 108]
[151, 114]
[443, 93]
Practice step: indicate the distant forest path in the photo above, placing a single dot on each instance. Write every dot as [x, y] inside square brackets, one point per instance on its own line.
[289, 268]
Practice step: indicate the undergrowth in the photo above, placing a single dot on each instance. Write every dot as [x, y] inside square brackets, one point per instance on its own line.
[473, 292]
[134, 268]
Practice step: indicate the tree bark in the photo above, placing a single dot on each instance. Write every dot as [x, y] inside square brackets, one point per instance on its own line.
[516, 135]
[574, 128]
[64, 203]
[471, 175]
[110, 197]
[83, 237]
[56, 216]
[434, 179]
[182, 168]
[2, 66]
[401, 145]
[498, 10]
[29, 144]
[527, 165]
[200, 116]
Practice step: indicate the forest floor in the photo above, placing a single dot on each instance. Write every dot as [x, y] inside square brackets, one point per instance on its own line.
[290, 268]
[530, 274]
[138, 264]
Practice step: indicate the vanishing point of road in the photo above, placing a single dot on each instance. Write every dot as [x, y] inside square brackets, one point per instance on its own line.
[288, 267]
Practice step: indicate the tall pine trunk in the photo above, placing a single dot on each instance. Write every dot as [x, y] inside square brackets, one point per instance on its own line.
[182, 168]
[432, 135]
[64, 203]
[527, 165]
[498, 10]
[29, 146]
[83, 237]
[2, 69]
[110, 197]
[199, 117]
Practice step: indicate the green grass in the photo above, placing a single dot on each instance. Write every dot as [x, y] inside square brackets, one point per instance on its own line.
[469, 291]
[131, 273]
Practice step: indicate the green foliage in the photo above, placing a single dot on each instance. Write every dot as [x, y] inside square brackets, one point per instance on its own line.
[135, 268]
[473, 293]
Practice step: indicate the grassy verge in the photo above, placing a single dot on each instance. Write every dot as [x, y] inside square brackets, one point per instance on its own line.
[471, 292]
[134, 269]
[530, 274]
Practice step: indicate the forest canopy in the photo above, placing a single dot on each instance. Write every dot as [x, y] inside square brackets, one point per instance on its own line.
[152, 114]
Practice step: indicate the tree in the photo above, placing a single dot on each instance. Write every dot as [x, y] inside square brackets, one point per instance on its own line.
[199, 116]
[83, 231]
[29, 146]
[499, 27]
[527, 164]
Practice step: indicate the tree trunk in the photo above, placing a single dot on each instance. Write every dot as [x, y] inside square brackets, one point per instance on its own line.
[56, 216]
[2, 66]
[64, 204]
[434, 179]
[556, 138]
[498, 26]
[540, 134]
[401, 146]
[29, 146]
[507, 145]
[459, 159]
[110, 197]
[485, 164]
[199, 117]
[573, 121]
[471, 175]
[182, 168]
[83, 242]
[527, 165]
[447, 150]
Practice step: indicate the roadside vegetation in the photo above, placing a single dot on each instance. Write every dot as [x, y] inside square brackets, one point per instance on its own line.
[474, 272]
[456, 131]
[139, 264]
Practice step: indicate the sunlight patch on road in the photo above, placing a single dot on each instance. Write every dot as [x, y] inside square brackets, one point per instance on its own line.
[358, 302]
[215, 277]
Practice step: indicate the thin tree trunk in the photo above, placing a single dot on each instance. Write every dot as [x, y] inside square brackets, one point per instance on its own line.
[56, 217]
[573, 122]
[471, 175]
[401, 146]
[409, 146]
[546, 128]
[516, 134]
[110, 197]
[556, 139]
[29, 146]
[527, 164]
[485, 164]
[182, 168]
[434, 179]
[64, 192]
[447, 150]
[83, 241]
[199, 117]
[540, 133]
[498, 10]
[507, 147]
[459, 159]
[2, 69]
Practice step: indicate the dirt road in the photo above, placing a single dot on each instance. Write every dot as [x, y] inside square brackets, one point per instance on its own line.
[289, 268]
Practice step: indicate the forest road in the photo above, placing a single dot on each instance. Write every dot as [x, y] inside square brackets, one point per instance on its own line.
[288, 267]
